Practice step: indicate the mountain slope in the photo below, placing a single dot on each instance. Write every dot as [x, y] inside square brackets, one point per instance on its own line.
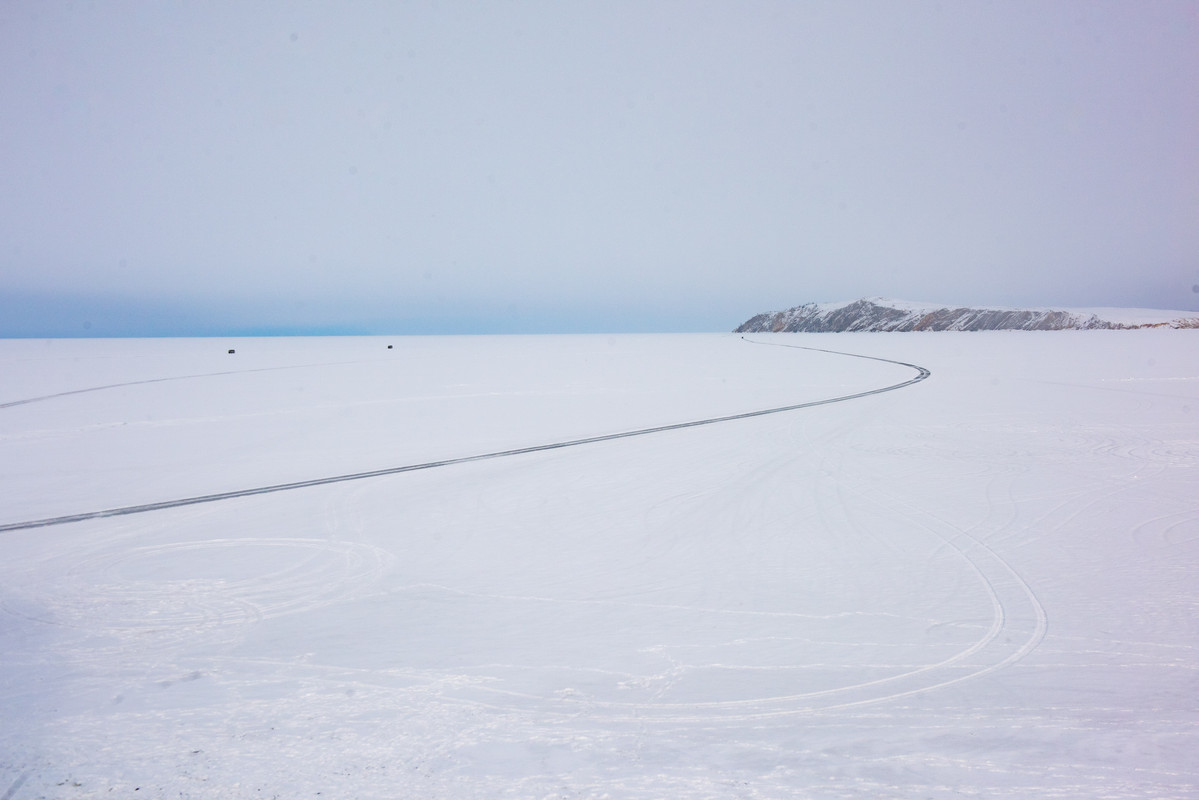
[880, 314]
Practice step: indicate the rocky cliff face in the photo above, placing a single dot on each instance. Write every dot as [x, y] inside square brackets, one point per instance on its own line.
[877, 314]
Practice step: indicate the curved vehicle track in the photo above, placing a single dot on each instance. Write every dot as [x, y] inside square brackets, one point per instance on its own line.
[921, 374]
[1018, 620]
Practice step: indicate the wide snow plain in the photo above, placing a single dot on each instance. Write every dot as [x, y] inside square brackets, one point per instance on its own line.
[985, 583]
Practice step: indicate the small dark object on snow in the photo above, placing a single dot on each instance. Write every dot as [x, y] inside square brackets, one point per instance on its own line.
[231, 352]
[388, 347]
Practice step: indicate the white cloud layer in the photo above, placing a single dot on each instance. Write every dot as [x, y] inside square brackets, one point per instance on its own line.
[686, 163]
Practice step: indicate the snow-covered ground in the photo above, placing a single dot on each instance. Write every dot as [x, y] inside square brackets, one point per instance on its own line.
[982, 584]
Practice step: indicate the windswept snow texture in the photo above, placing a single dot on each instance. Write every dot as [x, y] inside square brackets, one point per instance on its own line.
[981, 584]
[879, 314]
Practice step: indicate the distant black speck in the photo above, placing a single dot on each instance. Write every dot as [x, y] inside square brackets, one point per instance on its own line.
[388, 347]
[231, 352]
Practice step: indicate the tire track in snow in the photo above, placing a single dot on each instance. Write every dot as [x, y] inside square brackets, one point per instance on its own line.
[1018, 625]
[1017, 614]
[921, 374]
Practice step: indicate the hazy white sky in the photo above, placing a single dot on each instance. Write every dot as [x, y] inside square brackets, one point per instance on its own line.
[548, 166]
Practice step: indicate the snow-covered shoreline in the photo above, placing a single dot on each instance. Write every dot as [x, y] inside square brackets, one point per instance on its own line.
[881, 314]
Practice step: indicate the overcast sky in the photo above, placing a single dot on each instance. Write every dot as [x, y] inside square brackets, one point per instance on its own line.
[586, 166]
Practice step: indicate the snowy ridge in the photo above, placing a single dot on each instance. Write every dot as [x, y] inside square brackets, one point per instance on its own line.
[882, 314]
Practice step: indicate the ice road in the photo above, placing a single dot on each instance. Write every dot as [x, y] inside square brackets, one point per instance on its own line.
[981, 583]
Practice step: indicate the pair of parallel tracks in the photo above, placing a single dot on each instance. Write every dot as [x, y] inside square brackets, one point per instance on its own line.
[921, 374]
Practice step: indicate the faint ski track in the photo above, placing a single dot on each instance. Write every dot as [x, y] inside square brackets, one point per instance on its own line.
[126, 603]
[17, 784]
[922, 373]
[70, 392]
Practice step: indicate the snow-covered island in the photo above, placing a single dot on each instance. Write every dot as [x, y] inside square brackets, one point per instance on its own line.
[883, 314]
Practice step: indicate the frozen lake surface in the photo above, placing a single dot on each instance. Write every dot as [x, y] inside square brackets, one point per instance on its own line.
[985, 583]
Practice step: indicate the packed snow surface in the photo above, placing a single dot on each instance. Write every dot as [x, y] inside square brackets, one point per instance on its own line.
[979, 584]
